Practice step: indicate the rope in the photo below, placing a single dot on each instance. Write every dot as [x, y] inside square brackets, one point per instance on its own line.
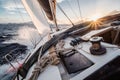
[43, 62]
[40, 65]
[60, 44]
[61, 50]
[37, 68]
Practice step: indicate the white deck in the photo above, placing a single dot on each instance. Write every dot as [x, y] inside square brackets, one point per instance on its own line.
[99, 61]
[52, 72]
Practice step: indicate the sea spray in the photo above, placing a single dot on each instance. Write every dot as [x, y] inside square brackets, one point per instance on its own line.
[28, 36]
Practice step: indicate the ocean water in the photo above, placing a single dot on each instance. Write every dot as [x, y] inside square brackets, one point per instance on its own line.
[17, 40]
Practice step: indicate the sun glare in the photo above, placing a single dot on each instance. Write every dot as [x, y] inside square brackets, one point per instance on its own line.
[96, 22]
[95, 17]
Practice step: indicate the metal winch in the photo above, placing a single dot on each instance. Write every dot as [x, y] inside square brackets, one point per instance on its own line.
[97, 48]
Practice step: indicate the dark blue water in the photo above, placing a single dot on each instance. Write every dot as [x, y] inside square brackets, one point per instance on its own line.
[16, 39]
[10, 32]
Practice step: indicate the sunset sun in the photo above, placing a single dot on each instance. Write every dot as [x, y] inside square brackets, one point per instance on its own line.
[95, 17]
[96, 22]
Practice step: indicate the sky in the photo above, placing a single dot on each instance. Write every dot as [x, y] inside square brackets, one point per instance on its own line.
[12, 11]
[89, 8]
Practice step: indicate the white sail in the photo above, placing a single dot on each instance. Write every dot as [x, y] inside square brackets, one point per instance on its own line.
[35, 11]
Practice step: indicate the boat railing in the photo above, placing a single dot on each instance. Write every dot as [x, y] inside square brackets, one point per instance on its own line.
[8, 57]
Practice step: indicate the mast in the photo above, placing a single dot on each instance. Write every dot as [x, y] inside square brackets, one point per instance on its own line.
[49, 7]
[34, 10]
[53, 10]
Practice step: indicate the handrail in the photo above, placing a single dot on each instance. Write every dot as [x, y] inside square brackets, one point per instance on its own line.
[9, 56]
[6, 58]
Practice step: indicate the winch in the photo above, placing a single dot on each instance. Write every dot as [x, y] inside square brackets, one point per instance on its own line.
[97, 48]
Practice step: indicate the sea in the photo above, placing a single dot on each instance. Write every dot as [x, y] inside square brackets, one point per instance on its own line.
[17, 40]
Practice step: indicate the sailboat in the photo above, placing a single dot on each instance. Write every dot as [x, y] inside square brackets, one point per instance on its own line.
[89, 50]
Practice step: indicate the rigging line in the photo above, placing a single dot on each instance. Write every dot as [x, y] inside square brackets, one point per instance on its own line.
[65, 14]
[72, 10]
[80, 10]
[18, 10]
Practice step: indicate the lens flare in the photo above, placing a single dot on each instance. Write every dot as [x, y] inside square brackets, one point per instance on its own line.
[95, 24]
[96, 21]
[95, 17]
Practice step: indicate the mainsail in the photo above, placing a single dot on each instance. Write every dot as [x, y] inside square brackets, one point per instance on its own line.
[47, 7]
[35, 11]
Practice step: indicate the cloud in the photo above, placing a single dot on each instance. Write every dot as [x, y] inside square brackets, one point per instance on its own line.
[12, 13]
[23, 11]
[59, 1]
[9, 8]
[13, 6]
